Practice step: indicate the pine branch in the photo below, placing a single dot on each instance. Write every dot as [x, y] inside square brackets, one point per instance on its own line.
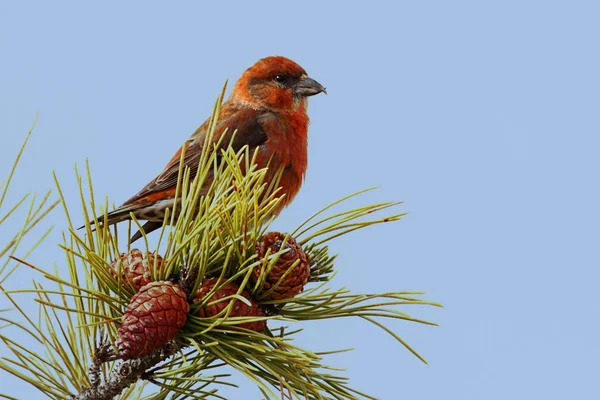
[123, 375]
[205, 298]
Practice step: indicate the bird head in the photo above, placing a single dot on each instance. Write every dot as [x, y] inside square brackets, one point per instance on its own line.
[275, 83]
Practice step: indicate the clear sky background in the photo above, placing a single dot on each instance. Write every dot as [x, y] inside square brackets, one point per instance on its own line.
[483, 118]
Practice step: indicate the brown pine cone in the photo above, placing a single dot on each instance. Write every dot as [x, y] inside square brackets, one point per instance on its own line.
[135, 268]
[293, 283]
[239, 308]
[153, 317]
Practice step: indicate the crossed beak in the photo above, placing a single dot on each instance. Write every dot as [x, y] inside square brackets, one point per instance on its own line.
[308, 87]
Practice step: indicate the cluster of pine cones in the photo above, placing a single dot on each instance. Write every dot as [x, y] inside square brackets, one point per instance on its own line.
[159, 309]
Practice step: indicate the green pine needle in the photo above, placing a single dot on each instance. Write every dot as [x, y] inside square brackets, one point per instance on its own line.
[212, 231]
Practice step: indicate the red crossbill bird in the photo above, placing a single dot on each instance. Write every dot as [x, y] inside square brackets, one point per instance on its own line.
[267, 109]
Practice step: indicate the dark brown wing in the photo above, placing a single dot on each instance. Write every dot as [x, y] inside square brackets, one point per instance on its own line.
[249, 132]
[247, 123]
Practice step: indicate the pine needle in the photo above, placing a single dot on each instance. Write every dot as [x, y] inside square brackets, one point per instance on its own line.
[212, 230]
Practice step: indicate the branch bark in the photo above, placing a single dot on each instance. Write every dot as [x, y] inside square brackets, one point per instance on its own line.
[124, 375]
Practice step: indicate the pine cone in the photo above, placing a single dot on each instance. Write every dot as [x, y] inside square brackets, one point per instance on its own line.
[153, 317]
[239, 308]
[135, 268]
[294, 281]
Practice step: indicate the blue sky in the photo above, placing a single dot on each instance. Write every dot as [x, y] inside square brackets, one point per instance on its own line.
[481, 116]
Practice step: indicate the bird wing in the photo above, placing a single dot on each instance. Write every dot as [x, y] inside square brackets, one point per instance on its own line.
[250, 132]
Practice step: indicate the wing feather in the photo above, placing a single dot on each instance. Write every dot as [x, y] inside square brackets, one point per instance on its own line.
[250, 132]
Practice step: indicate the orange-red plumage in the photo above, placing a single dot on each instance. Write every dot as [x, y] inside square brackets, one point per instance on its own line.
[267, 107]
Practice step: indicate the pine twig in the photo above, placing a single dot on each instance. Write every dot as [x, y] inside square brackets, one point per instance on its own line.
[124, 374]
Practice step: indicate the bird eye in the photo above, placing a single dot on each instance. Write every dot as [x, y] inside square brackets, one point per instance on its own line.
[279, 78]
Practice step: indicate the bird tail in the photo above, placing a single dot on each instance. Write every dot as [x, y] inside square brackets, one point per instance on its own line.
[147, 228]
[123, 214]
[115, 216]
